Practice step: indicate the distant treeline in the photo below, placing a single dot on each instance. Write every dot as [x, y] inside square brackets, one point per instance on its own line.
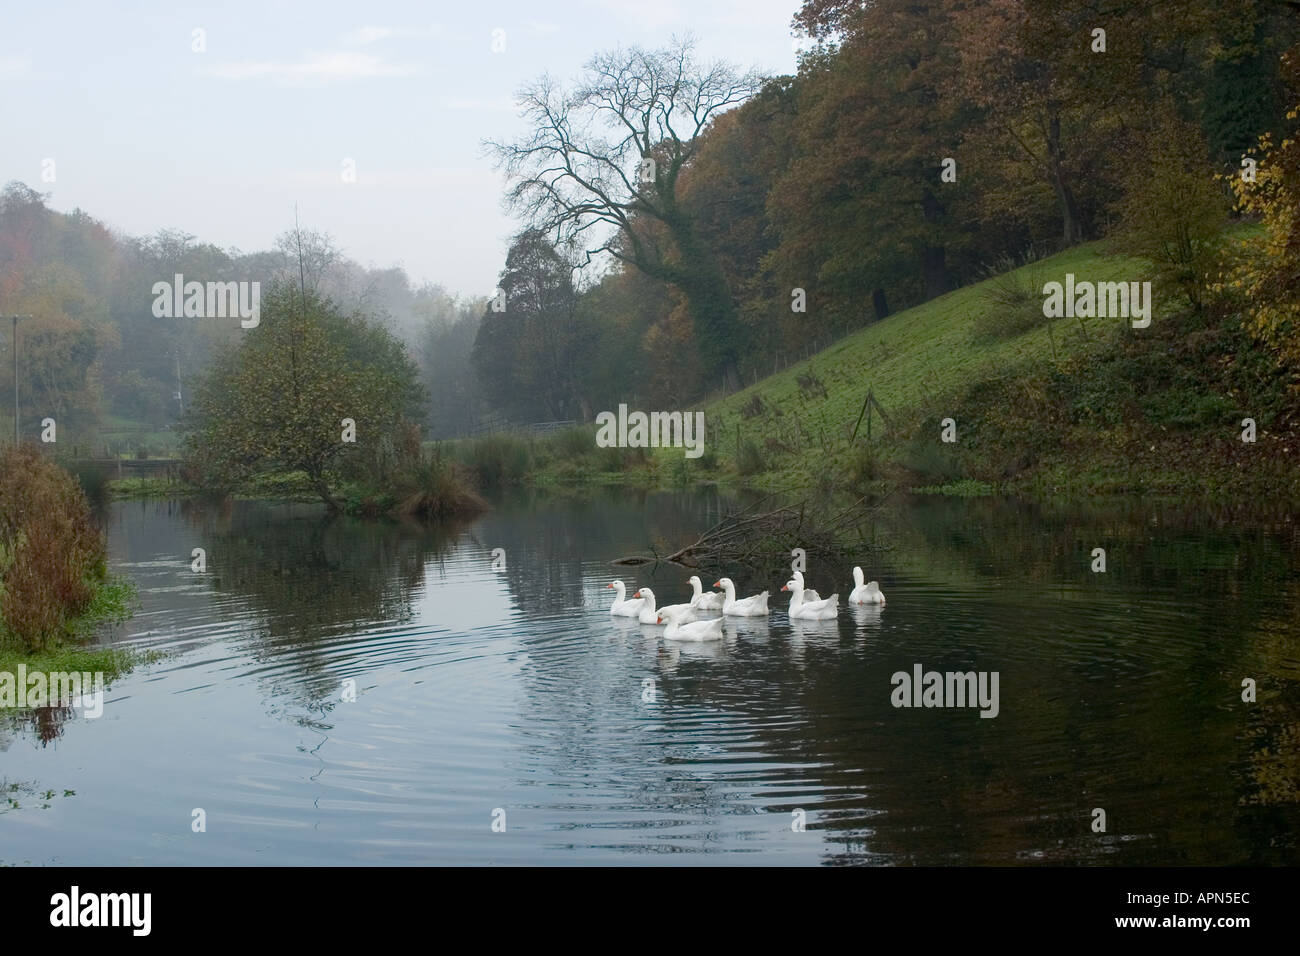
[94, 348]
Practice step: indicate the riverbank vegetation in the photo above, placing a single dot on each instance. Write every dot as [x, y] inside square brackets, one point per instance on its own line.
[55, 590]
[330, 396]
[772, 250]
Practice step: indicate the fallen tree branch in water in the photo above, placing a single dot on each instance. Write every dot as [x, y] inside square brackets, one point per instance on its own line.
[762, 539]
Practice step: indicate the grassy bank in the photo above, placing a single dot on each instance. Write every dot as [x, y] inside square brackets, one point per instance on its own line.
[1070, 407]
[72, 648]
[290, 486]
[112, 662]
[793, 429]
[55, 589]
[434, 485]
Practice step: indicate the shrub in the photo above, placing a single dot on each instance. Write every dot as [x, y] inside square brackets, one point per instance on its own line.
[680, 472]
[93, 479]
[863, 467]
[1266, 274]
[1015, 297]
[749, 458]
[932, 459]
[498, 460]
[571, 443]
[1172, 211]
[1185, 407]
[51, 553]
[434, 487]
[615, 459]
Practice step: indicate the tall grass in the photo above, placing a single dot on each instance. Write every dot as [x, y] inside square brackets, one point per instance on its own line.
[497, 460]
[1016, 297]
[434, 487]
[571, 443]
[52, 557]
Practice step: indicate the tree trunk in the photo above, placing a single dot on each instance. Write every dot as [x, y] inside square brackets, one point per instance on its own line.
[1071, 227]
[701, 280]
[934, 267]
[717, 331]
[934, 258]
[1071, 230]
[322, 488]
[879, 303]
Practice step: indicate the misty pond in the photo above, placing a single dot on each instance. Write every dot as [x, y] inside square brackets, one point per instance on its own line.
[502, 716]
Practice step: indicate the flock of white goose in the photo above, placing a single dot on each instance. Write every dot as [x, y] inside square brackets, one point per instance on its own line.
[687, 622]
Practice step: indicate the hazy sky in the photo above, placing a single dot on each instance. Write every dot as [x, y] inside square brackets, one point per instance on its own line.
[146, 133]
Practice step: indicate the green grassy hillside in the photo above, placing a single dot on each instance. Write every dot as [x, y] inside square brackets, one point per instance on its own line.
[1070, 407]
[1067, 408]
[801, 418]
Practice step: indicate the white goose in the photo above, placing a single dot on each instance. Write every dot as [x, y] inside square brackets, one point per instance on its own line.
[712, 601]
[710, 630]
[753, 606]
[650, 615]
[810, 610]
[620, 607]
[808, 593]
[868, 593]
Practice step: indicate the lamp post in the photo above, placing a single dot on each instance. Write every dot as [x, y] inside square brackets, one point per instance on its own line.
[14, 341]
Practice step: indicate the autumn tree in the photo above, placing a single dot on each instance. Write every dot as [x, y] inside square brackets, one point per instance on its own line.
[1172, 211]
[1269, 273]
[1051, 91]
[612, 150]
[278, 402]
[727, 187]
[622, 313]
[50, 266]
[529, 354]
[868, 202]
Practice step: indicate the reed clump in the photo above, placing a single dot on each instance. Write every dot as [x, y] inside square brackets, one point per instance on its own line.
[52, 555]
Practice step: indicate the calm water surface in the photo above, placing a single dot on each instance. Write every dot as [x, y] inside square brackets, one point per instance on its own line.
[514, 691]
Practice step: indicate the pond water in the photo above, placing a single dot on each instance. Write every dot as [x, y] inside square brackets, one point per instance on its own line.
[510, 696]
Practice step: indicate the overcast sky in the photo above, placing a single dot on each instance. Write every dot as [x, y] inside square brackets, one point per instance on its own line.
[145, 133]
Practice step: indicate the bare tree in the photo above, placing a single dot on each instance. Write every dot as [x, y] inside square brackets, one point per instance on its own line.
[309, 255]
[601, 168]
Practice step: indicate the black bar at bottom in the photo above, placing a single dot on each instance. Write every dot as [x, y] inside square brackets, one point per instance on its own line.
[335, 906]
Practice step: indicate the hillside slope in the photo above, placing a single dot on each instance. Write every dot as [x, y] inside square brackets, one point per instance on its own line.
[912, 360]
[1089, 406]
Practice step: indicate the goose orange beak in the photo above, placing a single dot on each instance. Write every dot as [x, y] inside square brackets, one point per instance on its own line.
[717, 584]
[659, 620]
[610, 586]
[785, 587]
[638, 593]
